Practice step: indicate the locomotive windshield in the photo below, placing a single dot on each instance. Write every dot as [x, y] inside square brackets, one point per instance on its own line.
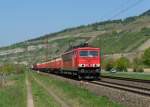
[89, 53]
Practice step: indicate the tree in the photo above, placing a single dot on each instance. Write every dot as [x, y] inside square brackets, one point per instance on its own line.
[145, 31]
[95, 27]
[146, 57]
[7, 69]
[108, 64]
[121, 64]
[137, 65]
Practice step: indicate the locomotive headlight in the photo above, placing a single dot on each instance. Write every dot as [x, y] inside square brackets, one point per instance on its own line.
[81, 65]
[94, 65]
[98, 65]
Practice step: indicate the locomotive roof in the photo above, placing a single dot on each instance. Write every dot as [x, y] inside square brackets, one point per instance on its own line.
[86, 48]
[83, 45]
[50, 60]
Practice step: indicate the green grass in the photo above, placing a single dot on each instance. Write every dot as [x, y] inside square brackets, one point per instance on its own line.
[75, 96]
[136, 75]
[41, 97]
[14, 95]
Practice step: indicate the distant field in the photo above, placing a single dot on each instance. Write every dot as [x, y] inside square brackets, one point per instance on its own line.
[144, 76]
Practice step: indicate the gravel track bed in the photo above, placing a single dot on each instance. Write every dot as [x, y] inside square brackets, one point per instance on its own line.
[137, 84]
[141, 85]
[122, 87]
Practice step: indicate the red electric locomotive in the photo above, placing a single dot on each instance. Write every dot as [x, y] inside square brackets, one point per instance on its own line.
[82, 61]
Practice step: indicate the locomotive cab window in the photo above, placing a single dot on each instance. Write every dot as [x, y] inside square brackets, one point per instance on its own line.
[93, 53]
[88, 53]
[83, 53]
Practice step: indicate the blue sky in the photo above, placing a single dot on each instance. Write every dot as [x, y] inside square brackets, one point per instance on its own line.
[24, 19]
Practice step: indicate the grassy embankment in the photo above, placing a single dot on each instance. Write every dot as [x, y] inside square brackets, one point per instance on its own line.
[136, 75]
[73, 95]
[13, 94]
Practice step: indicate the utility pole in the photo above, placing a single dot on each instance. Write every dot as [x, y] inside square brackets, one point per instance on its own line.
[47, 49]
[27, 53]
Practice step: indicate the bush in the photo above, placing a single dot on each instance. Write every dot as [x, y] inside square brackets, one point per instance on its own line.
[146, 57]
[109, 65]
[137, 61]
[7, 69]
[121, 64]
[138, 65]
[145, 31]
[11, 68]
[138, 69]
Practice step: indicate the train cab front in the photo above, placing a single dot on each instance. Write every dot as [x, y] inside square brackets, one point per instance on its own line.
[89, 62]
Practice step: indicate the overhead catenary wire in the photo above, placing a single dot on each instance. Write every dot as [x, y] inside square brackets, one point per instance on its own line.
[47, 49]
[116, 9]
[123, 10]
[126, 9]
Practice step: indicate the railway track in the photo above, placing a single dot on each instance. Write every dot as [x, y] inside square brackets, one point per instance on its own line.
[125, 84]
[129, 88]
[127, 79]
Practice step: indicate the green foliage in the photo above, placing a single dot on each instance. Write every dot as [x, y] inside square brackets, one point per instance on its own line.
[129, 19]
[109, 64]
[120, 42]
[138, 69]
[137, 65]
[121, 64]
[11, 68]
[145, 31]
[7, 69]
[105, 22]
[137, 61]
[14, 92]
[146, 57]
[146, 13]
[95, 28]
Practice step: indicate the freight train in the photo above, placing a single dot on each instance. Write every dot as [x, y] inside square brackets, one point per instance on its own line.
[81, 61]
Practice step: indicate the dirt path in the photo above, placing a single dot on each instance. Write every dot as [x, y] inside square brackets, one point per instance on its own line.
[29, 93]
[59, 100]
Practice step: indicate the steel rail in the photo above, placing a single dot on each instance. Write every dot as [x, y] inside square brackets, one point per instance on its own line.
[136, 90]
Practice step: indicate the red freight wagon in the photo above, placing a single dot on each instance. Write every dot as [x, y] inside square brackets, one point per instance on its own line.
[55, 64]
[42, 66]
